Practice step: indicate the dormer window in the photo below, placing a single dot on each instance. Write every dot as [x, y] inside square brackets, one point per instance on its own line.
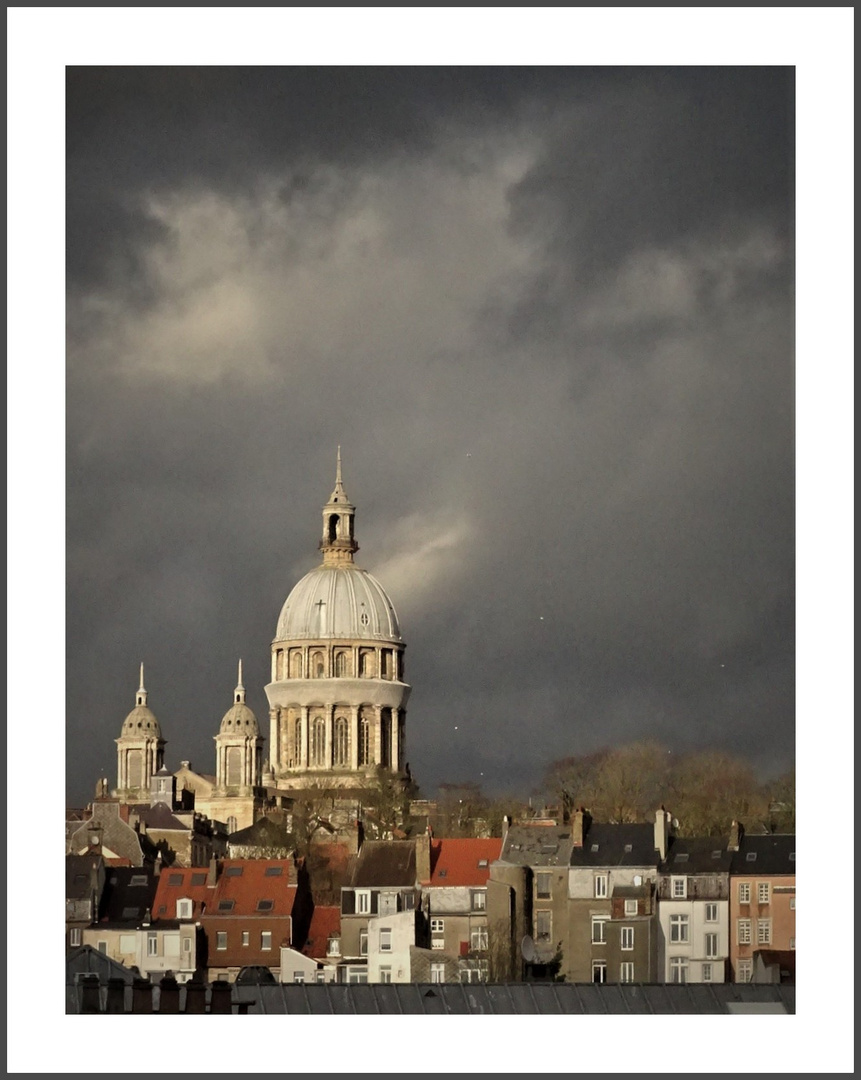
[184, 908]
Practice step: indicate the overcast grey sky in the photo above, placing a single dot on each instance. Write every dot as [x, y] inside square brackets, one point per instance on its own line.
[548, 315]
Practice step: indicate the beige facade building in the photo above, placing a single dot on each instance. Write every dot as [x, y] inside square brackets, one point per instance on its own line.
[337, 696]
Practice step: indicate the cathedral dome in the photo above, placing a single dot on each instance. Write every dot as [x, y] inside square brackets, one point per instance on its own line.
[239, 720]
[339, 601]
[141, 721]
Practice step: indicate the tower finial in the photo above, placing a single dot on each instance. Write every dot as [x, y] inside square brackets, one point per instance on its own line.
[338, 544]
[140, 699]
[338, 468]
[239, 692]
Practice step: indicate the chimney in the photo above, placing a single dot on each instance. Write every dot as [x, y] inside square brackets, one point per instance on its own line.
[220, 997]
[662, 822]
[736, 834]
[168, 999]
[212, 876]
[195, 995]
[116, 1002]
[90, 994]
[580, 822]
[423, 860]
[506, 825]
[157, 867]
[141, 996]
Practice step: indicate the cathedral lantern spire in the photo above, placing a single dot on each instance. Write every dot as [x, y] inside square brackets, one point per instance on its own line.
[239, 692]
[141, 695]
[338, 543]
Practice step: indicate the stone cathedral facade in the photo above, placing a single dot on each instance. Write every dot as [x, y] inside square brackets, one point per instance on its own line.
[337, 697]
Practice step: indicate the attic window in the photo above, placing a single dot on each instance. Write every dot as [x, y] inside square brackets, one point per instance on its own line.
[226, 905]
[233, 871]
[174, 879]
[594, 847]
[682, 856]
[273, 871]
[629, 847]
[716, 854]
[751, 856]
[198, 879]
[265, 905]
[162, 909]
[130, 912]
[138, 879]
[442, 873]
[482, 862]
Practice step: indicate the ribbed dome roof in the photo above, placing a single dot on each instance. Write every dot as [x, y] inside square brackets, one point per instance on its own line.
[239, 720]
[354, 605]
[141, 721]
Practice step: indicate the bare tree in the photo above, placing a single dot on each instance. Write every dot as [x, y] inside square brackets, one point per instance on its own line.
[710, 789]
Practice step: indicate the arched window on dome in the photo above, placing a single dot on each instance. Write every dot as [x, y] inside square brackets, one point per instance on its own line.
[332, 528]
[342, 664]
[295, 663]
[279, 665]
[342, 742]
[364, 739]
[318, 741]
[386, 658]
[318, 665]
[367, 664]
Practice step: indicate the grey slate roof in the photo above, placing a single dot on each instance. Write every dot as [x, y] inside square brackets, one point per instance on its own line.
[536, 845]
[385, 863]
[129, 891]
[116, 834]
[512, 999]
[263, 833]
[607, 845]
[79, 875]
[775, 854]
[697, 855]
[161, 817]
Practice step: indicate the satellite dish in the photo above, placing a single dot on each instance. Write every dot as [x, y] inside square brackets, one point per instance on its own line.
[527, 949]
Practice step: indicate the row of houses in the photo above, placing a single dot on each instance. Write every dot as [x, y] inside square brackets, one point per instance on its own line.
[577, 902]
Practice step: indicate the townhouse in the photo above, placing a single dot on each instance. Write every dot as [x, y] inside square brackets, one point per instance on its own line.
[762, 906]
[457, 905]
[693, 912]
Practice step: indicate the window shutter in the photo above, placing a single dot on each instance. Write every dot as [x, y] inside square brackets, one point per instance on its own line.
[375, 901]
[348, 902]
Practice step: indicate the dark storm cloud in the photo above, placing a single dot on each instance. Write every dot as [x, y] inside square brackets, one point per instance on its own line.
[546, 312]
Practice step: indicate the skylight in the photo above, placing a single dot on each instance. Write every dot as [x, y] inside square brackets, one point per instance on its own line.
[273, 871]
[174, 879]
[629, 847]
[682, 856]
[482, 862]
[716, 854]
[595, 847]
[198, 879]
[138, 879]
[233, 871]
[265, 905]
[751, 856]
[131, 912]
[225, 905]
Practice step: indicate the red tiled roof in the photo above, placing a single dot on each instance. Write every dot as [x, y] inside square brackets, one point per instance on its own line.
[247, 883]
[456, 862]
[175, 883]
[324, 922]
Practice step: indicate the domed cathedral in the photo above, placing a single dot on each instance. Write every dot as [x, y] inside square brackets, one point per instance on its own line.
[337, 699]
[140, 751]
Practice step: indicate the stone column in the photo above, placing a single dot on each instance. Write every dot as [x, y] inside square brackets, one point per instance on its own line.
[354, 737]
[304, 756]
[378, 725]
[395, 741]
[329, 755]
[275, 737]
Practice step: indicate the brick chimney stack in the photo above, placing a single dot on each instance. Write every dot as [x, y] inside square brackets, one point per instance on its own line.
[212, 876]
[736, 833]
[423, 859]
[662, 831]
[580, 822]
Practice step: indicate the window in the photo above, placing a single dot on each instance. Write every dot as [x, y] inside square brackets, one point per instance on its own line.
[707, 972]
[763, 931]
[386, 940]
[679, 928]
[763, 892]
[265, 905]
[627, 938]
[792, 943]
[711, 913]
[246, 937]
[599, 971]
[298, 976]
[385, 974]
[679, 887]
[478, 939]
[626, 972]
[75, 935]
[231, 828]
[792, 903]
[183, 909]
[678, 969]
[743, 926]
[226, 905]
[543, 883]
[152, 944]
[138, 879]
[479, 900]
[437, 943]
[599, 929]
[333, 947]
[751, 856]
[265, 939]
[437, 973]
[712, 945]
[363, 943]
[744, 971]
[221, 940]
[744, 892]
[198, 879]
[363, 901]
[364, 740]
[601, 886]
[342, 741]
[318, 741]
[320, 976]
[630, 907]
[273, 871]
[543, 922]
[387, 903]
[233, 871]
[437, 926]
[103, 948]
[174, 879]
